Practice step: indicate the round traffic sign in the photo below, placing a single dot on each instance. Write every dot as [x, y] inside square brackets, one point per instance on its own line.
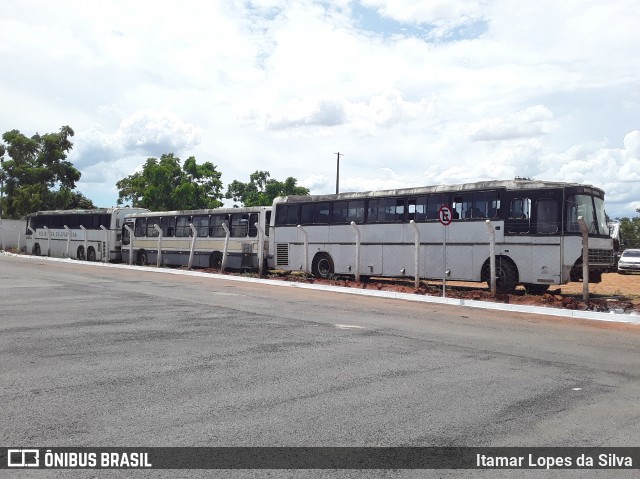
[445, 215]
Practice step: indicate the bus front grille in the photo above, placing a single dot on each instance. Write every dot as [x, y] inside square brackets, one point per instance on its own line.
[282, 254]
[600, 257]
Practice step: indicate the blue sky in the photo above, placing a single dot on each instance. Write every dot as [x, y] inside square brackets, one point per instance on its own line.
[412, 93]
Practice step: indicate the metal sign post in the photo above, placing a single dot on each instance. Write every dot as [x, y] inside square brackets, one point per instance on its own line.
[445, 216]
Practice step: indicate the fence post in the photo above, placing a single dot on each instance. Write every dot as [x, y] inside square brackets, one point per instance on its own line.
[355, 228]
[492, 257]
[194, 235]
[68, 239]
[260, 249]
[106, 253]
[416, 237]
[86, 243]
[305, 237]
[131, 238]
[48, 241]
[159, 259]
[227, 233]
[19, 239]
[585, 258]
[2, 245]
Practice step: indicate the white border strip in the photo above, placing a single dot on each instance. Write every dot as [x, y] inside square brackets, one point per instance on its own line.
[632, 318]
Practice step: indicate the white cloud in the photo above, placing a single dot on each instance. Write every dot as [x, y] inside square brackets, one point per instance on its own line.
[435, 91]
[531, 122]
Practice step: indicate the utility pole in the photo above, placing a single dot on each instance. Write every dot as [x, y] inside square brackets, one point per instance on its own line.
[338, 172]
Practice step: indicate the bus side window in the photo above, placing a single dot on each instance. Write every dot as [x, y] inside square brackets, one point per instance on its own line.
[547, 216]
[182, 227]
[339, 212]
[519, 218]
[151, 231]
[168, 225]
[216, 230]
[267, 223]
[141, 227]
[253, 219]
[434, 203]
[421, 209]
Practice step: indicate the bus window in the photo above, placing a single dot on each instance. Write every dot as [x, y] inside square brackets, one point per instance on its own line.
[168, 226]
[287, 215]
[547, 216]
[386, 210]
[267, 223]
[141, 227]
[344, 212]
[216, 229]
[202, 225]
[519, 219]
[315, 213]
[253, 219]
[486, 204]
[182, 226]
[434, 203]
[151, 231]
[582, 205]
[239, 225]
[417, 209]
[126, 236]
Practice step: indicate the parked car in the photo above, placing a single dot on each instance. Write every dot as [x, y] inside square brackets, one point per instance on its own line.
[629, 261]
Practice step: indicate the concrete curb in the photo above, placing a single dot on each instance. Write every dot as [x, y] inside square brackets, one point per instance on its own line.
[565, 313]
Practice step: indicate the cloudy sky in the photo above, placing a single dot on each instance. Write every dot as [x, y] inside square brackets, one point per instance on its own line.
[411, 92]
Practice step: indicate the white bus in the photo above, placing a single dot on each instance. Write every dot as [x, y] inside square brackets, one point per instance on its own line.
[79, 234]
[537, 237]
[220, 230]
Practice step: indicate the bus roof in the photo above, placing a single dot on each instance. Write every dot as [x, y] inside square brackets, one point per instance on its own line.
[220, 211]
[86, 212]
[512, 185]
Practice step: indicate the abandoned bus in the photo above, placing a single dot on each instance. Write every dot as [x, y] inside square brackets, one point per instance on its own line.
[538, 240]
[93, 235]
[217, 231]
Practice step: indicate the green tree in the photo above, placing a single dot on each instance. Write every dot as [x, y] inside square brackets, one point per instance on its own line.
[38, 175]
[630, 232]
[165, 184]
[261, 190]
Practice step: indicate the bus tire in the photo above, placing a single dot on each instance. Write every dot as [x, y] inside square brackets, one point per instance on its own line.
[91, 254]
[142, 257]
[215, 260]
[36, 250]
[506, 274]
[80, 253]
[532, 288]
[322, 266]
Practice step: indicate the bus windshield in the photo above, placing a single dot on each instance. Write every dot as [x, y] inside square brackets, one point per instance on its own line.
[592, 211]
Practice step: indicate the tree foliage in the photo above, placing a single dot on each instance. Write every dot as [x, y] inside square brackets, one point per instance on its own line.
[630, 232]
[165, 184]
[261, 190]
[38, 176]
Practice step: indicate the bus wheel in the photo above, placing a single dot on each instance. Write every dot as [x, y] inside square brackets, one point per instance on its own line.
[91, 254]
[36, 249]
[322, 266]
[536, 288]
[506, 274]
[215, 260]
[142, 258]
[80, 253]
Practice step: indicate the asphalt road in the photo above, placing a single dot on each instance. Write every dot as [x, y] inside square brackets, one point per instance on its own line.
[95, 356]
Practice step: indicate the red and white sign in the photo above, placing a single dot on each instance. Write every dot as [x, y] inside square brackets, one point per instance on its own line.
[445, 215]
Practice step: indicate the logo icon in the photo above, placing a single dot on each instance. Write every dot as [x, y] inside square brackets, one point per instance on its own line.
[23, 457]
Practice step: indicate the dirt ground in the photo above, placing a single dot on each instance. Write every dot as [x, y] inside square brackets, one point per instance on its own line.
[620, 293]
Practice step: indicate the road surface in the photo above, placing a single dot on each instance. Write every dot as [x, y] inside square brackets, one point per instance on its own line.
[97, 356]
